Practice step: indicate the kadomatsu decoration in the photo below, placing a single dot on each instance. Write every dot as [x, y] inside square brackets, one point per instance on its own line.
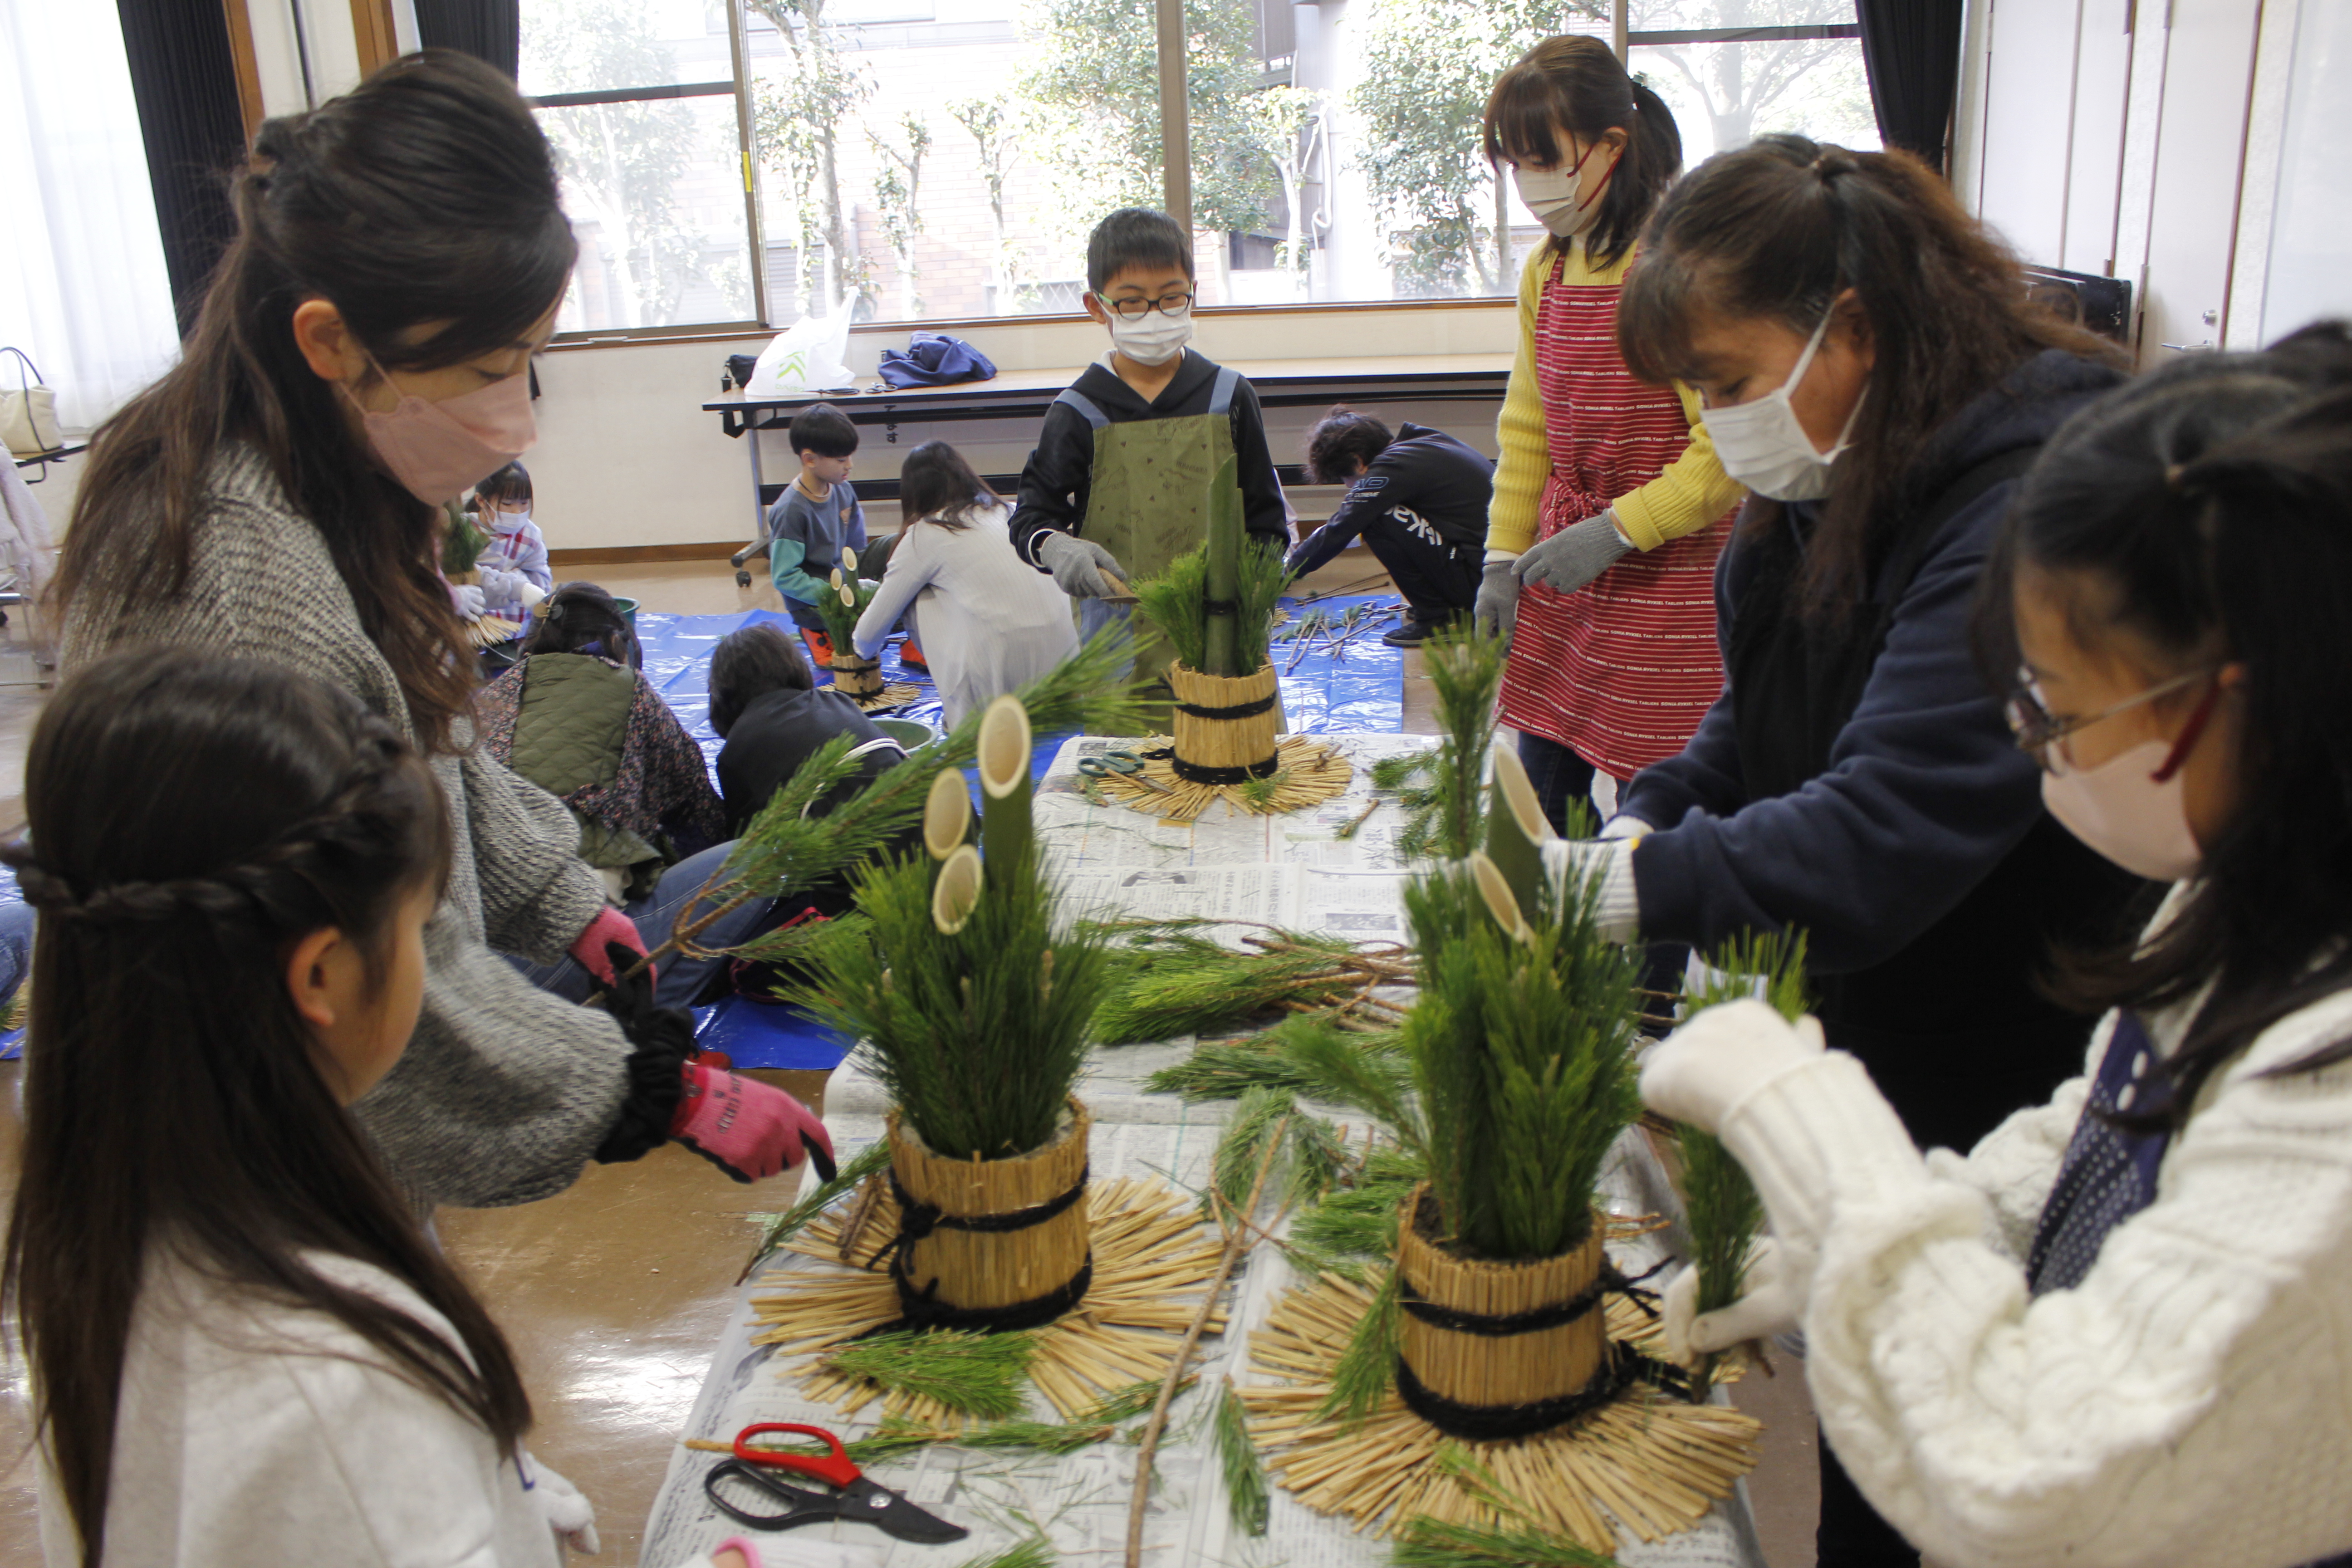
[841, 604]
[972, 994]
[1215, 608]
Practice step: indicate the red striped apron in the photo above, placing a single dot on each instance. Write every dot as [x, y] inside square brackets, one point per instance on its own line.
[1622, 670]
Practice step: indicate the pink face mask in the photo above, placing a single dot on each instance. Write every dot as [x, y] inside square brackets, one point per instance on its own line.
[438, 449]
[2130, 809]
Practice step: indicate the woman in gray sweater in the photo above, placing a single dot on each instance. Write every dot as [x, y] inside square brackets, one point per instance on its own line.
[361, 357]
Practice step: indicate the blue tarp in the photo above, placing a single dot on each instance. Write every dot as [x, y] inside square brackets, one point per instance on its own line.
[1359, 689]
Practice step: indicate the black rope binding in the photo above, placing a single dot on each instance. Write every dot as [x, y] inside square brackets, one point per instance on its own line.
[920, 1308]
[1196, 773]
[1238, 710]
[1495, 1423]
[1221, 606]
[1555, 1316]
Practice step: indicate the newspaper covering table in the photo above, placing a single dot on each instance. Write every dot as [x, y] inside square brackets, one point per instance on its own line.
[1289, 872]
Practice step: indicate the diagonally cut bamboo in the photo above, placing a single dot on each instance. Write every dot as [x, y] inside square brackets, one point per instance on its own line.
[1005, 831]
[956, 890]
[947, 814]
[1500, 903]
[1516, 830]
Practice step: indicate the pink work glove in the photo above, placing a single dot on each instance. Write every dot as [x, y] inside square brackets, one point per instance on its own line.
[611, 928]
[747, 1129]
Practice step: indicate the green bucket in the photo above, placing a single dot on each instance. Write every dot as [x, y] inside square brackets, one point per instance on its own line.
[912, 734]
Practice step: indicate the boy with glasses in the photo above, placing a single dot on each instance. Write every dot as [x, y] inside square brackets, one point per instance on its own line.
[1117, 486]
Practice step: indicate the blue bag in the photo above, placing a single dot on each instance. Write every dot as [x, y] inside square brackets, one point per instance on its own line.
[934, 359]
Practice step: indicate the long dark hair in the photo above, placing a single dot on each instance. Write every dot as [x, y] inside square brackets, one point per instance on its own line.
[581, 617]
[748, 664]
[2207, 509]
[1782, 227]
[1578, 82]
[191, 816]
[426, 194]
[937, 486]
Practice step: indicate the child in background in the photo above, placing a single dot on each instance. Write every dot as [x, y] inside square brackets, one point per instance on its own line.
[994, 624]
[224, 1299]
[1116, 488]
[513, 565]
[815, 519]
[1418, 499]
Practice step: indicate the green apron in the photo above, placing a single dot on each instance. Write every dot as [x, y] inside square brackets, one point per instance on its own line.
[1145, 499]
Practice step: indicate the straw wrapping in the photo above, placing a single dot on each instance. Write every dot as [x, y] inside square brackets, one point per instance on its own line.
[1498, 1423]
[991, 1244]
[856, 677]
[1211, 739]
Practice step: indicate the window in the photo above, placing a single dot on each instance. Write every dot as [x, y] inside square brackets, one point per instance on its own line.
[1735, 69]
[930, 159]
[639, 98]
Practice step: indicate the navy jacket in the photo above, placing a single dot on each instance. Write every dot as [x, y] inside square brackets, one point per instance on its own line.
[1060, 472]
[1424, 476]
[1926, 790]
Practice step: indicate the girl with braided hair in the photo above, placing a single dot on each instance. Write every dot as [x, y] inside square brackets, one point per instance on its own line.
[1869, 365]
[361, 355]
[2114, 1334]
[244, 1349]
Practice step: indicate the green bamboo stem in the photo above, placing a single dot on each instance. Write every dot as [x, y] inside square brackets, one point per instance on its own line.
[1005, 830]
[947, 814]
[1516, 830]
[1224, 562]
[956, 890]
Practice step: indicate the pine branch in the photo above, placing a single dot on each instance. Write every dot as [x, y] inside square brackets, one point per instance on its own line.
[1366, 1369]
[1244, 1472]
[975, 1374]
[1035, 1552]
[871, 1159]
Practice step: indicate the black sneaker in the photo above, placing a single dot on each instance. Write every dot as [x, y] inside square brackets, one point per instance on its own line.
[1412, 633]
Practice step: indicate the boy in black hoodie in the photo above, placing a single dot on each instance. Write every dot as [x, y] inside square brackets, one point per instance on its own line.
[1116, 486]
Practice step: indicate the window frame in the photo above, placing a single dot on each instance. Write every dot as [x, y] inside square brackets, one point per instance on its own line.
[1176, 175]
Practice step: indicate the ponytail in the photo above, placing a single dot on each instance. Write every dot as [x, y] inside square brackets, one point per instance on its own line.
[1576, 82]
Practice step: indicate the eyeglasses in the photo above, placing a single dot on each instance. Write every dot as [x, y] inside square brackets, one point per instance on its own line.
[1175, 307]
[2037, 729]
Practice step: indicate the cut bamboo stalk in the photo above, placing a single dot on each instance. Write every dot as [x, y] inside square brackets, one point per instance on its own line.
[1516, 830]
[956, 890]
[1005, 830]
[947, 814]
[1222, 649]
[1500, 903]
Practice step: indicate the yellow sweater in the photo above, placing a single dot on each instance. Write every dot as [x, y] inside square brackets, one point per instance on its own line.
[1691, 492]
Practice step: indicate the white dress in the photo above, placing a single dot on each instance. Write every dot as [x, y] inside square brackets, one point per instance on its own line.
[988, 622]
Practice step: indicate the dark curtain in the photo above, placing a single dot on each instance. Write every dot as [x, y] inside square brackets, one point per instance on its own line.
[184, 79]
[1912, 50]
[486, 29]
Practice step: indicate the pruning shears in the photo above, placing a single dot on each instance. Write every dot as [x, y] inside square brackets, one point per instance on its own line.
[1119, 759]
[741, 1488]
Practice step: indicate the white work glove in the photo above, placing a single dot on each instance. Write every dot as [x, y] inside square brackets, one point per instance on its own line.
[1574, 556]
[1078, 565]
[1708, 1068]
[529, 595]
[502, 585]
[1498, 607]
[568, 1513]
[468, 601]
[1625, 826]
[1619, 908]
[1778, 1278]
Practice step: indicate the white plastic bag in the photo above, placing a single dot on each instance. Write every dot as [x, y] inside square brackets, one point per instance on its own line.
[810, 355]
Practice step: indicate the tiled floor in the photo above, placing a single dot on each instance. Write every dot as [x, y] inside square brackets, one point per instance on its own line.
[615, 1291]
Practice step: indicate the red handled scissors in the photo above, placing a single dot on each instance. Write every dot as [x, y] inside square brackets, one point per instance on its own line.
[743, 1490]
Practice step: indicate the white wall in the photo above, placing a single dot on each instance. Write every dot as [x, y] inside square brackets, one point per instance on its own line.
[627, 457]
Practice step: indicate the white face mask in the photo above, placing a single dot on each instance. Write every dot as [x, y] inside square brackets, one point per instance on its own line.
[1551, 196]
[1764, 446]
[1157, 338]
[2125, 811]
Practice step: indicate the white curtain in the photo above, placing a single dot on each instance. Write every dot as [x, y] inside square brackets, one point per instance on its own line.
[82, 285]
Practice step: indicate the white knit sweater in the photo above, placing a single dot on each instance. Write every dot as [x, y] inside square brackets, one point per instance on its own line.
[2189, 1403]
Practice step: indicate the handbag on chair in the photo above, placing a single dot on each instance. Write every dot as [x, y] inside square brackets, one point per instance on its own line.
[28, 414]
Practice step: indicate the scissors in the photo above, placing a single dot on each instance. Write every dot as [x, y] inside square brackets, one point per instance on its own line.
[1119, 759]
[854, 1497]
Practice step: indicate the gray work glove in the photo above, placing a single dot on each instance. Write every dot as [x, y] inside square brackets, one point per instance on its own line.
[1079, 566]
[1498, 609]
[1574, 556]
